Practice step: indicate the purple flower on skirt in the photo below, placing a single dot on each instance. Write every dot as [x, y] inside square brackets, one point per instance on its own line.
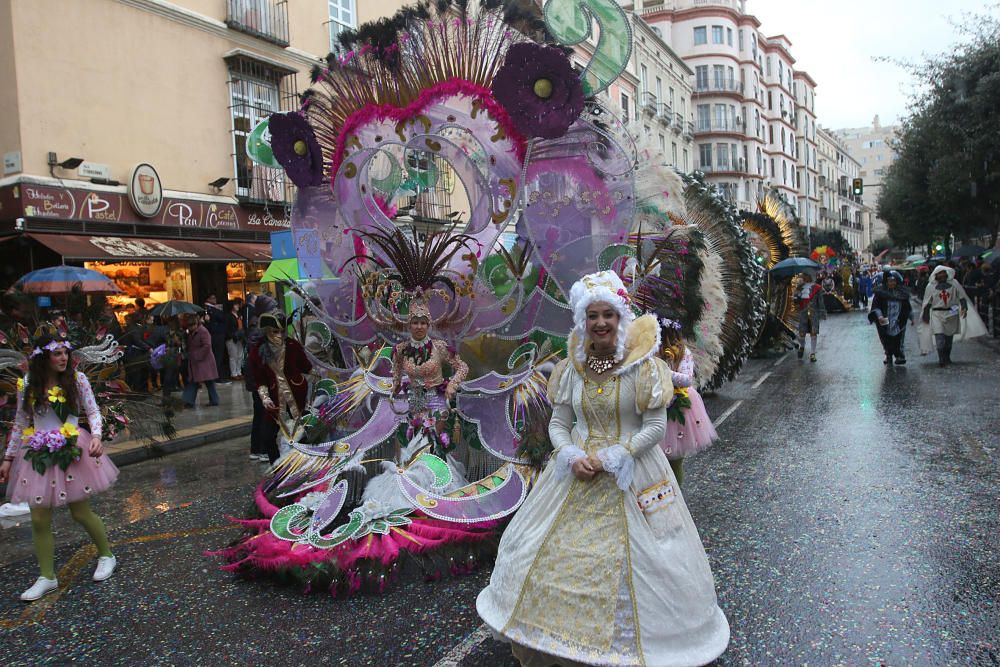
[540, 90]
[294, 146]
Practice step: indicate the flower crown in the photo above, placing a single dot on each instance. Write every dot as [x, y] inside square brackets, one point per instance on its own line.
[670, 324]
[52, 346]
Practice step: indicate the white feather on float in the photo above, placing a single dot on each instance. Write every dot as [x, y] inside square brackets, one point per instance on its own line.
[657, 183]
[707, 348]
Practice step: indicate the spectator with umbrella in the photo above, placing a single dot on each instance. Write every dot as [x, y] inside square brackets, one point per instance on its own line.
[201, 363]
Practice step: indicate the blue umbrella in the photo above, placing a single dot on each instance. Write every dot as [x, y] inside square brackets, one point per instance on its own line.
[789, 267]
[62, 279]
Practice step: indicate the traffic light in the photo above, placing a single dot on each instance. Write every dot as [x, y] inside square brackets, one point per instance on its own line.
[857, 187]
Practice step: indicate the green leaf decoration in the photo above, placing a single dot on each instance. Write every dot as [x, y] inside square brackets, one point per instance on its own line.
[290, 523]
[259, 146]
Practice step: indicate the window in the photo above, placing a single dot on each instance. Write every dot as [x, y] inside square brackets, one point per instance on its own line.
[687, 166]
[643, 79]
[663, 144]
[717, 34]
[659, 89]
[742, 46]
[342, 17]
[770, 101]
[722, 156]
[772, 167]
[256, 90]
[734, 151]
[673, 153]
[720, 117]
[625, 106]
[671, 93]
[701, 77]
[265, 19]
[704, 117]
[768, 68]
[718, 76]
[731, 79]
[729, 36]
[700, 35]
[705, 156]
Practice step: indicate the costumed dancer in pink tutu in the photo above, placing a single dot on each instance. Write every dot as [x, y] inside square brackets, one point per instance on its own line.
[56, 460]
[689, 430]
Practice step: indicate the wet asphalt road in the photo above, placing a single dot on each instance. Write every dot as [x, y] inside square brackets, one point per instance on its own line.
[850, 513]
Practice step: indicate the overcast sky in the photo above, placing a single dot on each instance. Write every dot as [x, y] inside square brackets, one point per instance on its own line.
[836, 41]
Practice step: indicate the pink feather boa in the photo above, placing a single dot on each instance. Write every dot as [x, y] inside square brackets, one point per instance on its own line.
[450, 88]
[264, 551]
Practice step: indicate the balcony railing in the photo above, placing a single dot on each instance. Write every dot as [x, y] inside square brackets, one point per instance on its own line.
[689, 131]
[719, 127]
[266, 19]
[664, 113]
[719, 87]
[649, 102]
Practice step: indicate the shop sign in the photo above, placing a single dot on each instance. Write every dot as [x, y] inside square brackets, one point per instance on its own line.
[119, 247]
[43, 202]
[145, 192]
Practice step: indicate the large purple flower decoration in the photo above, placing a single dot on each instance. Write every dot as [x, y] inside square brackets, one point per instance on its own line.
[540, 90]
[294, 146]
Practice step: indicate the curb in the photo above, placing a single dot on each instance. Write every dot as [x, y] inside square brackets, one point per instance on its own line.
[144, 453]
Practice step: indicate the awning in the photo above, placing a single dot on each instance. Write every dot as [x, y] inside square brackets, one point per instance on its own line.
[119, 248]
[254, 252]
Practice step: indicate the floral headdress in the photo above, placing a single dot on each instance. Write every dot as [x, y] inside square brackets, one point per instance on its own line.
[52, 346]
[606, 287]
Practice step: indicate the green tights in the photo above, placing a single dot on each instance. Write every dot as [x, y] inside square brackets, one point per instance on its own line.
[677, 465]
[41, 534]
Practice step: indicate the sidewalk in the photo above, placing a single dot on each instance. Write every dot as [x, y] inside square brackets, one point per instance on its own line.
[195, 427]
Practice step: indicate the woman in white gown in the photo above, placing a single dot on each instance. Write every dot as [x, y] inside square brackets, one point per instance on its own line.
[603, 564]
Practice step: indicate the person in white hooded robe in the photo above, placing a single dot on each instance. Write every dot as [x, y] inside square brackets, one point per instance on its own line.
[946, 314]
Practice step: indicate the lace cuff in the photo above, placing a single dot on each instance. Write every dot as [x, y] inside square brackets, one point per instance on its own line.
[619, 462]
[565, 458]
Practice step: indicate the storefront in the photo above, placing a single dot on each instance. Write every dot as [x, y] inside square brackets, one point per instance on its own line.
[187, 249]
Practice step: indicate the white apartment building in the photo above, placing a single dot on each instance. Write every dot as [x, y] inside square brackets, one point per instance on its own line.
[840, 209]
[804, 89]
[872, 146]
[753, 126]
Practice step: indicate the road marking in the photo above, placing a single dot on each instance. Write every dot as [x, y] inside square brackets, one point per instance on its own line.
[35, 612]
[731, 410]
[456, 655]
[761, 380]
[780, 359]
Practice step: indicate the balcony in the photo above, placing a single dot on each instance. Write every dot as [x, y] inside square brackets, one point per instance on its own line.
[664, 114]
[720, 127]
[689, 130]
[265, 19]
[649, 103]
[718, 86]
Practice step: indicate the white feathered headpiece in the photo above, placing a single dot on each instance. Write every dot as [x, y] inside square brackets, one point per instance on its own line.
[603, 287]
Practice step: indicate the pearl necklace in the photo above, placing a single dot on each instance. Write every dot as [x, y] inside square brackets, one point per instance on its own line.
[601, 364]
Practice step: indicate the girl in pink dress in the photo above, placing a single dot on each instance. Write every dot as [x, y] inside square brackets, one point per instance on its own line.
[689, 430]
[50, 401]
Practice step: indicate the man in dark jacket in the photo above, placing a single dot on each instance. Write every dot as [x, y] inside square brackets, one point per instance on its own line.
[217, 329]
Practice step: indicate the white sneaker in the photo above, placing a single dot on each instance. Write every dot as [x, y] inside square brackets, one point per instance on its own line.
[105, 566]
[42, 587]
[14, 509]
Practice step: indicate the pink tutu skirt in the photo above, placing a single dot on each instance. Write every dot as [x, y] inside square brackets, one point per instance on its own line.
[694, 435]
[57, 487]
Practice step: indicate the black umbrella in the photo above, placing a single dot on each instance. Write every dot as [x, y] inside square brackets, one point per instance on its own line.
[793, 265]
[969, 251]
[175, 308]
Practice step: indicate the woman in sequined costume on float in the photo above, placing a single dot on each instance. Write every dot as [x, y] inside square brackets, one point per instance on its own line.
[50, 400]
[607, 505]
[422, 360]
[689, 428]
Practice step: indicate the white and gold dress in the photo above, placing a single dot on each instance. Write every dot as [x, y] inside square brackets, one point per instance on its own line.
[609, 571]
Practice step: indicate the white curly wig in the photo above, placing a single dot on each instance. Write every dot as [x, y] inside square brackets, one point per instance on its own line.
[604, 287]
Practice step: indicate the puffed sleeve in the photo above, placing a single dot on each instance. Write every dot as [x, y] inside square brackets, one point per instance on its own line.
[21, 421]
[654, 388]
[89, 405]
[560, 387]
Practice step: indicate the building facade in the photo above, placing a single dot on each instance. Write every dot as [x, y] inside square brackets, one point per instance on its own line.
[840, 209]
[872, 146]
[748, 136]
[125, 132]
